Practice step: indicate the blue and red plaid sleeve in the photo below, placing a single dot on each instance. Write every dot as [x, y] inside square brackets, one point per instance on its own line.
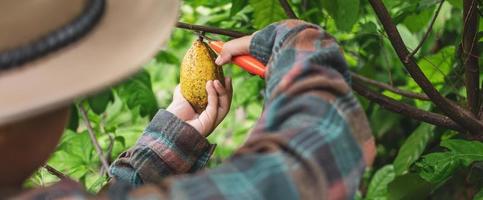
[312, 140]
[168, 146]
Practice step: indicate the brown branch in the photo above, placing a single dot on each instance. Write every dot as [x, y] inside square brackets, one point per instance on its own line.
[55, 172]
[459, 115]
[288, 10]
[390, 87]
[220, 31]
[405, 109]
[92, 136]
[426, 35]
[470, 47]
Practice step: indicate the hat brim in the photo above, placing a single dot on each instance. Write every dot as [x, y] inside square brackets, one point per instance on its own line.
[128, 36]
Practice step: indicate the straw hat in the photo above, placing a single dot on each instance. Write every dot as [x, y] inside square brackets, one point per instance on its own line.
[52, 51]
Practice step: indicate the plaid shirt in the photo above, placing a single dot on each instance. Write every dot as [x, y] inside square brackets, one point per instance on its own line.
[311, 142]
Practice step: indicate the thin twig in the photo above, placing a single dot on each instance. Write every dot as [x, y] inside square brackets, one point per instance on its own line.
[390, 88]
[109, 150]
[428, 31]
[458, 114]
[405, 109]
[92, 136]
[470, 47]
[288, 10]
[55, 172]
[220, 31]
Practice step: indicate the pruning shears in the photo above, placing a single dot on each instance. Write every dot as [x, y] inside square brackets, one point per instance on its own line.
[246, 62]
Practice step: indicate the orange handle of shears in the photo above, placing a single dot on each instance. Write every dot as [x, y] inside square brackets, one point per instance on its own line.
[246, 62]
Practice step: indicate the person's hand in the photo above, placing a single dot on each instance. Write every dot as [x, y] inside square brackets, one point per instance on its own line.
[219, 101]
[232, 48]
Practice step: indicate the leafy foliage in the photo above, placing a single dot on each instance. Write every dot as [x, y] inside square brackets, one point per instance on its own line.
[138, 93]
[344, 12]
[98, 103]
[437, 167]
[467, 151]
[408, 186]
[266, 12]
[378, 188]
[412, 148]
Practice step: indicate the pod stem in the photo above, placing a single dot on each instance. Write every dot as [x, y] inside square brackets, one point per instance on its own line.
[200, 36]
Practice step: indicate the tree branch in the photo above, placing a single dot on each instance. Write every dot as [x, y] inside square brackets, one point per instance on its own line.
[405, 109]
[92, 136]
[450, 109]
[288, 10]
[55, 172]
[109, 151]
[390, 87]
[220, 31]
[470, 54]
[426, 35]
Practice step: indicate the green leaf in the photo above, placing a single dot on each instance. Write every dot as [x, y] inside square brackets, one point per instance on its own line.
[467, 151]
[120, 139]
[344, 12]
[236, 6]
[418, 21]
[347, 14]
[73, 118]
[438, 167]
[137, 92]
[412, 148]
[382, 121]
[479, 195]
[409, 186]
[409, 38]
[98, 102]
[330, 6]
[97, 184]
[456, 3]
[246, 90]
[378, 187]
[436, 67]
[74, 154]
[167, 57]
[266, 12]
[254, 109]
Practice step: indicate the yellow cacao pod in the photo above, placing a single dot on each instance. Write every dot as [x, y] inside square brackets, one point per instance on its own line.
[198, 66]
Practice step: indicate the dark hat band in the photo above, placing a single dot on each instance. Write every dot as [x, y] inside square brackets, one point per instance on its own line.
[65, 35]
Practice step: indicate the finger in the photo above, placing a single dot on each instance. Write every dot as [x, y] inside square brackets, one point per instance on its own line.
[224, 101]
[220, 90]
[177, 92]
[222, 94]
[223, 58]
[222, 97]
[228, 86]
[209, 115]
[177, 95]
